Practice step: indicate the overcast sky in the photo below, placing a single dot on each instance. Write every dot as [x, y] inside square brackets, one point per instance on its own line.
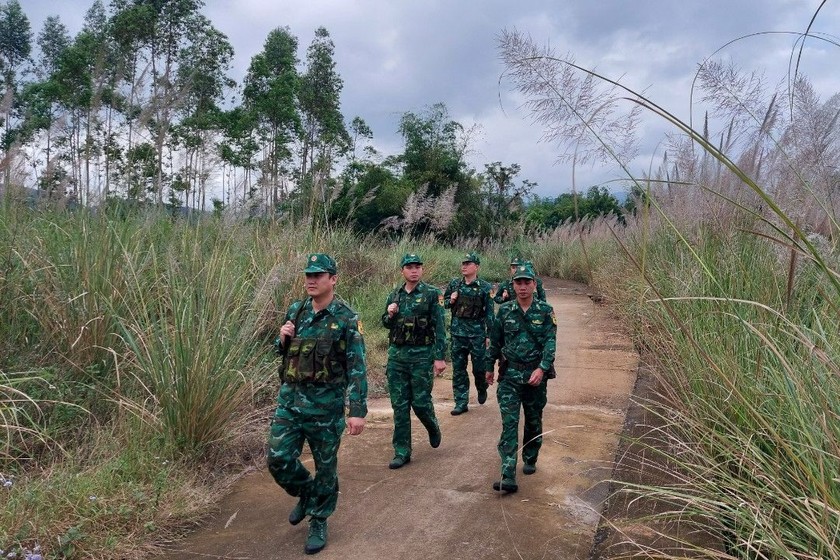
[404, 55]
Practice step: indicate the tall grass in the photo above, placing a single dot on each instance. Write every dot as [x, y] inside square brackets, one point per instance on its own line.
[192, 340]
[150, 342]
[735, 306]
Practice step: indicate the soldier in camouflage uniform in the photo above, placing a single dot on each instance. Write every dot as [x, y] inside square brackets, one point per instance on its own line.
[323, 361]
[415, 318]
[505, 291]
[472, 317]
[523, 339]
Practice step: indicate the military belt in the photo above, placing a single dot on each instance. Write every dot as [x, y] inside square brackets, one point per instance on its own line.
[523, 366]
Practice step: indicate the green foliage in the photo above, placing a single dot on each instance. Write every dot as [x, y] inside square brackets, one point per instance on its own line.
[108, 499]
[194, 341]
[545, 214]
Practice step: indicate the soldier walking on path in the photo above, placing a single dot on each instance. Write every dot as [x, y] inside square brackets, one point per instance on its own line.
[523, 339]
[472, 317]
[415, 318]
[505, 291]
[323, 361]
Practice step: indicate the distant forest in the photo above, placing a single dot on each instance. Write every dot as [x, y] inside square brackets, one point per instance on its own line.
[139, 107]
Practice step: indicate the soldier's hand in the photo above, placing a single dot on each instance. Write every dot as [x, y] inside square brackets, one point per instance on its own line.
[489, 377]
[392, 309]
[505, 295]
[536, 377]
[355, 425]
[439, 367]
[453, 297]
[288, 330]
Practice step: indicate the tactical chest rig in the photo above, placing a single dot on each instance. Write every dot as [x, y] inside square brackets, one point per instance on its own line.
[505, 363]
[469, 306]
[412, 330]
[313, 360]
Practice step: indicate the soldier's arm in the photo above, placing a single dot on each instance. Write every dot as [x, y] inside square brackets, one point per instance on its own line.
[387, 320]
[446, 295]
[281, 343]
[356, 370]
[550, 340]
[498, 297]
[489, 316]
[496, 335]
[439, 319]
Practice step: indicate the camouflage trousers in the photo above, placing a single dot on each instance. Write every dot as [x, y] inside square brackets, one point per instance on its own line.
[410, 381]
[299, 419]
[513, 391]
[463, 346]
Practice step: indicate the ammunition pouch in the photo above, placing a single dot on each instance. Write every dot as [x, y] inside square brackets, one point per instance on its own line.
[311, 360]
[468, 306]
[415, 330]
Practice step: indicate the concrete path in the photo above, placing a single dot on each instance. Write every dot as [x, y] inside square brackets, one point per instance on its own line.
[442, 505]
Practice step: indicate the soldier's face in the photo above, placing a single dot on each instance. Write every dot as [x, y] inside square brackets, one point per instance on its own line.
[512, 268]
[523, 287]
[412, 272]
[468, 268]
[319, 283]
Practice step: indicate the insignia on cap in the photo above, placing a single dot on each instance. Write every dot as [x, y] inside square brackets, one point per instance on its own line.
[314, 258]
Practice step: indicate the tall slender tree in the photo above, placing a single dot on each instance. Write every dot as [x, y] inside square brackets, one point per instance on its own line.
[15, 46]
[202, 79]
[324, 136]
[270, 94]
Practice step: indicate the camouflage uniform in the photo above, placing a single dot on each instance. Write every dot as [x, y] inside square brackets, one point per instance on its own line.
[539, 293]
[522, 342]
[325, 361]
[472, 318]
[417, 338]
[507, 285]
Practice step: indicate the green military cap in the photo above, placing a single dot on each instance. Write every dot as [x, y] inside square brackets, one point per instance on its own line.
[471, 257]
[515, 261]
[411, 258]
[524, 271]
[320, 262]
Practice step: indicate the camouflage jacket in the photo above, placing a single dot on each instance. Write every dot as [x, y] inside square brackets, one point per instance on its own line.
[422, 309]
[340, 324]
[524, 338]
[476, 291]
[539, 293]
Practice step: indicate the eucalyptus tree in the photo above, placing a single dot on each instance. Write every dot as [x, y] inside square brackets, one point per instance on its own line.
[324, 136]
[270, 97]
[41, 97]
[237, 149]
[15, 46]
[203, 80]
[152, 35]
